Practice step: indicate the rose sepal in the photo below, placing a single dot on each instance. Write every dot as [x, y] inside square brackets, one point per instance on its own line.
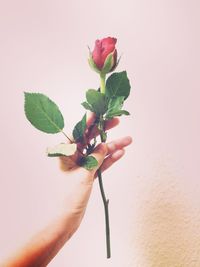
[109, 63]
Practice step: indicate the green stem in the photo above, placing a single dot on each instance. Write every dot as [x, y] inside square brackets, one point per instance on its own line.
[105, 201]
[103, 83]
[67, 137]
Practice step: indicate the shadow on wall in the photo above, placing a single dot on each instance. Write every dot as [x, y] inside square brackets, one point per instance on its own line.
[167, 235]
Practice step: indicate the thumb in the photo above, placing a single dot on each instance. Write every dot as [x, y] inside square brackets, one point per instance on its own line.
[99, 154]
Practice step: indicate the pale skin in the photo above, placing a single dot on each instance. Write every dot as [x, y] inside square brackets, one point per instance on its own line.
[43, 247]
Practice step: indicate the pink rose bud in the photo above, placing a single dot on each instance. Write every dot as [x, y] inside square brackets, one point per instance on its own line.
[103, 59]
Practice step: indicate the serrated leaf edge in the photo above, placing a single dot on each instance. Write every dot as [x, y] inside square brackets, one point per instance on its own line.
[25, 102]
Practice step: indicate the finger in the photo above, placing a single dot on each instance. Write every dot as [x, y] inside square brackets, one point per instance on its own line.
[111, 123]
[68, 163]
[100, 153]
[91, 116]
[118, 144]
[111, 159]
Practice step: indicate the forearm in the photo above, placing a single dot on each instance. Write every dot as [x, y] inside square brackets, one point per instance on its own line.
[42, 248]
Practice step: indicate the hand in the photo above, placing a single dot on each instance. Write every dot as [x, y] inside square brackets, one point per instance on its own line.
[46, 244]
[106, 155]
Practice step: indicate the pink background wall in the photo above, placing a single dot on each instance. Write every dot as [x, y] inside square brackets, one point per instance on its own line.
[155, 190]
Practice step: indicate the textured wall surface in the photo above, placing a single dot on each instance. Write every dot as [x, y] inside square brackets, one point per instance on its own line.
[155, 190]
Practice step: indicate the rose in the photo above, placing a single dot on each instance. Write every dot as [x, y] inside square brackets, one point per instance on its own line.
[102, 49]
[103, 59]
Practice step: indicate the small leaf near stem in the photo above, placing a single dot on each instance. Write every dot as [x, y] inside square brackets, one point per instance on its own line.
[79, 130]
[88, 162]
[118, 84]
[97, 101]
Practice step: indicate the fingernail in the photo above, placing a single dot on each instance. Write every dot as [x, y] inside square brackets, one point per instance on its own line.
[128, 140]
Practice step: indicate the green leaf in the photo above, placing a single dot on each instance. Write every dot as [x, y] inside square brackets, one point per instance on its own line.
[118, 85]
[115, 107]
[79, 129]
[62, 150]
[43, 113]
[97, 101]
[115, 103]
[87, 106]
[89, 162]
[117, 113]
